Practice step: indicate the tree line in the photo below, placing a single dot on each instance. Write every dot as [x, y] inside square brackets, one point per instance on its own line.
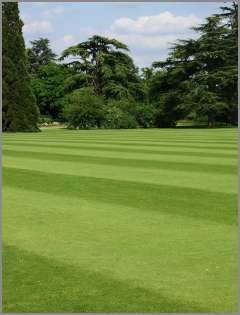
[95, 83]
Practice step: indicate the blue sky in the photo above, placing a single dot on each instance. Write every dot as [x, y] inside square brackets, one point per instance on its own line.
[147, 28]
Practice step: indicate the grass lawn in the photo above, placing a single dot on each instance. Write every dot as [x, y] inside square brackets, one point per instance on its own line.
[120, 221]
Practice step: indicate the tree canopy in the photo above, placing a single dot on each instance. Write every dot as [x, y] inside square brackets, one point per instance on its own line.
[95, 84]
[202, 72]
[40, 54]
[104, 65]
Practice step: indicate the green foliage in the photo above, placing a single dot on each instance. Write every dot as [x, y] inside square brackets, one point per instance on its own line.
[83, 109]
[103, 65]
[145, 115]
[198, 79]
[40, 54]
[170, 109]
[49, 88]
[75, 81]
[115, 91]
[45, 120]
[20, 112]
[91, 55]
[118, 115]
[207, 65]
[208, 104]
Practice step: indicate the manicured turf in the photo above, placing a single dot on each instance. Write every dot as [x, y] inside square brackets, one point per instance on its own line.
[120, 221]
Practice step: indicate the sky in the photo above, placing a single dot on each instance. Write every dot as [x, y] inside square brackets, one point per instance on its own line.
[149, 29]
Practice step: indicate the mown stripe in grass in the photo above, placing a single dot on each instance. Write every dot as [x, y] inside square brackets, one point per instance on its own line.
[218, 134]
[129, 140]
[154, 139]
[213, 206]
[112, 135]
[122, 150]
[138, 145]
[130, 143]
[136, 163]
[33, 283]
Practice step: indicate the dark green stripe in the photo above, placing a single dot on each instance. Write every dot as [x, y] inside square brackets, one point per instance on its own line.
[136, 163]
[196, 203]
[127, 143]
[131, 150]
[32, 283]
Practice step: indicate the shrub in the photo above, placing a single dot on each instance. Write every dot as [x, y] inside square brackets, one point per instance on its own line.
[118, 115]
[145, 115]
[83, 109]
[45, 120]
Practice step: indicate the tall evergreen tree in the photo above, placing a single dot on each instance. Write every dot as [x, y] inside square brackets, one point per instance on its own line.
[20, 112]
[105, 66]
[202, 73]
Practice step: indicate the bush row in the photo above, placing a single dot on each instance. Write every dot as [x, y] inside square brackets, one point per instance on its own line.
[84, 109]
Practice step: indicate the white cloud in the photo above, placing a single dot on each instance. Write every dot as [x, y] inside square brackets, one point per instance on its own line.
[156, 32]
[52, 12]
[143, 41]
[143, 60]
[64, 42]
[37, 26]
[89, 31]
[68, 39]
[163, 23]
[148, 37]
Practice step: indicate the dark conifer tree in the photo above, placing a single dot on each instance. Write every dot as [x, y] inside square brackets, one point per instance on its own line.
[20, 112]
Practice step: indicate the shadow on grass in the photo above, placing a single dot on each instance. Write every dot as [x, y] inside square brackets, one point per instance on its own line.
[32, 283]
